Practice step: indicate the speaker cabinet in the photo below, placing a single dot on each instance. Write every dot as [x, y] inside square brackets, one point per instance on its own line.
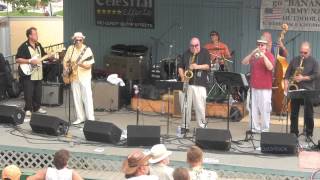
[11, 114]
[143, 135]
[129, 68]
[105, 96]
[52, 94]
[50, 125]
[218, 139]
[278, 143]
[101, 132]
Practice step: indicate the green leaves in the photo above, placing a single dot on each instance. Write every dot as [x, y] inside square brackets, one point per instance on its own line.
[23, 5]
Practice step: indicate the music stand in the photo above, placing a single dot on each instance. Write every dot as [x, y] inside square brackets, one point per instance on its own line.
[300, 94]
[169, 85]
[232, 80]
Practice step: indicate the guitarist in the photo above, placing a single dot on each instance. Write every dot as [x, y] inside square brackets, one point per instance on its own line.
[79, 72]
[30, 52]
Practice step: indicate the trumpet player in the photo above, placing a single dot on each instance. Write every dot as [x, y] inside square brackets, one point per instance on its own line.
[303, 80]
[197, 61]
[261, 63]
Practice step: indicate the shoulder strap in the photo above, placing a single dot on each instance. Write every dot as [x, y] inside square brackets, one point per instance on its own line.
[82, 53]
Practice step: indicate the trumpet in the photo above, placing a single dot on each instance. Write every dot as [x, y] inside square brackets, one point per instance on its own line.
[292, 83]
[188, 74]
[258, 54]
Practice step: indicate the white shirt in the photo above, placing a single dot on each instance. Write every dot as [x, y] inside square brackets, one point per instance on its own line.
[145, 177]
[198, 173]
[55, 174]
[162, 171]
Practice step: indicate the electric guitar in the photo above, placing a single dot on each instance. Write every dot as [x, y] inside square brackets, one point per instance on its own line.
[69, 73]
[28, 69]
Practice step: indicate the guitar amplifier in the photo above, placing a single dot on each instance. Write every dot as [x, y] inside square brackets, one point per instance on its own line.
[52, 94]
[105, 96]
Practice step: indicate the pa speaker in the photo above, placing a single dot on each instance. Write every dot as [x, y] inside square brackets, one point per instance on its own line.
[278, 143]
[52, 94]
[218, 139]
[101, 132]
[143, 135]
[11, 114]
[50, 125]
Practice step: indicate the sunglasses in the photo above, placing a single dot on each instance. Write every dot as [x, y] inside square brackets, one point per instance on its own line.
[194, 45]
[302, 52]
[78, 40]
[260, 44]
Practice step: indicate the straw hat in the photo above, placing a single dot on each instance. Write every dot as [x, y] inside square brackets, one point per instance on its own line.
[79, 35]
[11, 172]
[262, 40]
[134, 161]
[158, 153]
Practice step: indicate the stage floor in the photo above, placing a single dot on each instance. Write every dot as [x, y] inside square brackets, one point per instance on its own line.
[241, 154]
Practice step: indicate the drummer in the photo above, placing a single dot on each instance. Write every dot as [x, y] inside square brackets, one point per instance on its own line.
[219, 51]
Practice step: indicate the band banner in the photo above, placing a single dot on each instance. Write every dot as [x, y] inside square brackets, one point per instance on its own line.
[125, 13]
[300, 15]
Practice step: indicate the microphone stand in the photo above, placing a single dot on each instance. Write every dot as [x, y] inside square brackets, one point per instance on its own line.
[69, 92]
[138, 92]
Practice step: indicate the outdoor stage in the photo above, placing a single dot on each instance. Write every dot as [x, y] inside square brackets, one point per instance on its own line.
[103, 161]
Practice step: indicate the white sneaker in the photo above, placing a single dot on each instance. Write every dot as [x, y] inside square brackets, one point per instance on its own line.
[28, 113]
[41, 111]
[78, 121]
[27, 119]
[202, 125]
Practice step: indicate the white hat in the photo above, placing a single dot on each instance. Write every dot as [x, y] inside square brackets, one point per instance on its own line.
[262, 40]
[78, 34]
[158, 152]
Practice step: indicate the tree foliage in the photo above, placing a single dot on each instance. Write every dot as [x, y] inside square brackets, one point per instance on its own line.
[22, 5]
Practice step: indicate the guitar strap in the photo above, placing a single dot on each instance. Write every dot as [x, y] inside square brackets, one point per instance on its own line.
[82, 53]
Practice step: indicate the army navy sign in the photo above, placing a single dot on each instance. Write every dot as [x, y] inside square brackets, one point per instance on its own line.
[125, 13]
[300, 15]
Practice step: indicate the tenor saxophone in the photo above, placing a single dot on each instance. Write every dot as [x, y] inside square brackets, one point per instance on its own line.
[293, 85]
[188, 74]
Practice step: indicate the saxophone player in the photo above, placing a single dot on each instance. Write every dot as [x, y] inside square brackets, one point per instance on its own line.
[303, 80]
[196, 92]
[261, 63]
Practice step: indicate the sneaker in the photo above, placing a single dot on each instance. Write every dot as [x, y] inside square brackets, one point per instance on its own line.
[203, 125]
[27, 119]
[41, 111]
[28, 113]
[78, 121]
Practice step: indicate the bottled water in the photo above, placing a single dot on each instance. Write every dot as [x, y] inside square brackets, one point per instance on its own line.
[179, 131]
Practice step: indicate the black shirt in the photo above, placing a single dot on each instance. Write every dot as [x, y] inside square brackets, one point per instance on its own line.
[200, 77]
[23, 52]
[310, 68]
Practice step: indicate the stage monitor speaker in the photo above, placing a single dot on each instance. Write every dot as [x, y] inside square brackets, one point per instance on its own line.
[52, 94]
[11, 114]
[143, 135]
[218, 139]
[105, 96]
[101, 132]
[278, 143]
[50, 125]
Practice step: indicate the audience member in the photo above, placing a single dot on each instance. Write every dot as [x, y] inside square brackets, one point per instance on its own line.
[195, 161]
[11, 172]
[136, 167]
[60, 171]
[160, 161]
[181, 174]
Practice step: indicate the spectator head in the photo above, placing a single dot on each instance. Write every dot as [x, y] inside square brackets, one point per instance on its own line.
[194, 156]
[61, 158]
[159, 154]
[136, 164]
[181, 174]
[11, 172]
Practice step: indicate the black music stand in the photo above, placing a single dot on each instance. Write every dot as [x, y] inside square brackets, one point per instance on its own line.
[299, 94]
[232, 80]
[169, 85]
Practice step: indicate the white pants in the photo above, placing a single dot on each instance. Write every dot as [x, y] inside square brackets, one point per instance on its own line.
[196, 96]
[261, 109]
[82, 97]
